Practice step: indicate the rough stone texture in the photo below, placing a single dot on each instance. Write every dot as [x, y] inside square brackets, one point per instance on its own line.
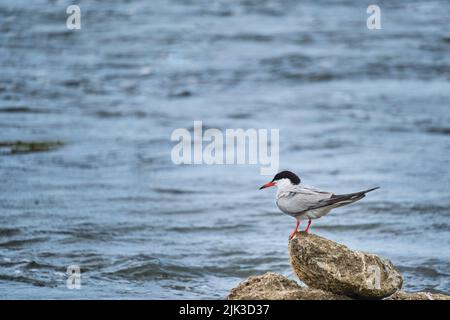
[274, 286]
[401, 295]
[326, 265]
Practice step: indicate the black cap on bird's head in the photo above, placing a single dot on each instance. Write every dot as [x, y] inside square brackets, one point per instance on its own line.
[292, 177]
[287, 175]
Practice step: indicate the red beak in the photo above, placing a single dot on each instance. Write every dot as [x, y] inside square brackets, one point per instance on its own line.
[268, 184]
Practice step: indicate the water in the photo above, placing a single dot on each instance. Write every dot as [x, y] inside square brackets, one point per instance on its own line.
[356, 108]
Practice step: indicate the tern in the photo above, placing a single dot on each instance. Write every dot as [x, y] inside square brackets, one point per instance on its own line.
[303, 202]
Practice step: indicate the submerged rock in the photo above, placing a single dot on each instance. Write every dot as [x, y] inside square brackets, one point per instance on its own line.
[274, 286]
[17, 147]
[402, 295]
[327, 265]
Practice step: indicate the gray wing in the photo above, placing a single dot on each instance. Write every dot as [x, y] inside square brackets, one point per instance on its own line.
[302, 199]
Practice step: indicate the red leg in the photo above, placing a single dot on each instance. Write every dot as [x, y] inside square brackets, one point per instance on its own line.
[307, 227]
[295, 230]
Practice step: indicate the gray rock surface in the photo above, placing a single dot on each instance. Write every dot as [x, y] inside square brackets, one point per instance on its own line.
[274, 286]
[327, 265]
[401, 295]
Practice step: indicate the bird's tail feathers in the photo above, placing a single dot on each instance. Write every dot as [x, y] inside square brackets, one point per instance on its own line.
[344, 199]
[355, 194]
[368, 190]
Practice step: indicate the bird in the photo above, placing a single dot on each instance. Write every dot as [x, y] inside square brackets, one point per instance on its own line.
[302, 202]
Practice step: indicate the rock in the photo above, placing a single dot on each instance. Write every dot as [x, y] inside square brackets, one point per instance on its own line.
[326, 265]
[17, 147]
[274, 286]
[402, 295]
